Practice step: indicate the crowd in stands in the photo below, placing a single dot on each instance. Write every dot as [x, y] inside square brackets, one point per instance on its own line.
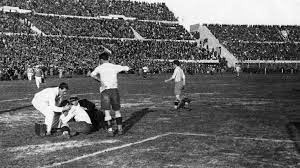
[82, 27]
[80, 54]
[157, 30]
[257, 33]
[259, 42]
[113, 28]
[139, 10]
[292, 33]
[265, 51]
[12, 22]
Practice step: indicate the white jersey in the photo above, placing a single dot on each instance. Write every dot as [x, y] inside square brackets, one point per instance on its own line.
[178, 75]
[108, 75]
[76, 112]
[48, 97]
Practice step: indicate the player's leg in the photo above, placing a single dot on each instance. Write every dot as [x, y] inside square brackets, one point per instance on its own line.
[116, 106]
[38, 81]
[177, 91]
[105, 105]
[29, 76]
[45, 110]
[55, 122]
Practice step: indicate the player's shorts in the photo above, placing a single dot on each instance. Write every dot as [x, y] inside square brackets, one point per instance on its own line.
[110, 98]
[178, 87]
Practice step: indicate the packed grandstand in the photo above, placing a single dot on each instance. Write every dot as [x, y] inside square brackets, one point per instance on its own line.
[61, 34]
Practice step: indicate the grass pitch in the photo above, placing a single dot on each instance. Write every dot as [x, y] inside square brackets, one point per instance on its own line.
[244, 121]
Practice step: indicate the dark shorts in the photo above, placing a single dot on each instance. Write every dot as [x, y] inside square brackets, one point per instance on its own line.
[80, 127]
[110, 99]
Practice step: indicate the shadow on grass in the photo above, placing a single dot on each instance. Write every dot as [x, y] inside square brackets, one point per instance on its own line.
[134, 118]
[15, 109]
[293, 129]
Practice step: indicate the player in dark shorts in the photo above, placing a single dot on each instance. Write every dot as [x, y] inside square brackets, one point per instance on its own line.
[110, 99]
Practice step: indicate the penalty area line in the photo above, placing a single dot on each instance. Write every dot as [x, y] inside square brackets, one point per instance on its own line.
[107, 150]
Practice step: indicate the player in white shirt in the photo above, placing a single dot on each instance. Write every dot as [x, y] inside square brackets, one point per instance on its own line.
[29, 72]
[238, 70]
[38, 75]
[82, 122]
[110, 98]
[47, 101]
[179, 79]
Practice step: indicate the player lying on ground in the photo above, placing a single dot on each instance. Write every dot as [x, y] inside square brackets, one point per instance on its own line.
[109, 93]
[82, 122]
[46, 102]
[179, 79]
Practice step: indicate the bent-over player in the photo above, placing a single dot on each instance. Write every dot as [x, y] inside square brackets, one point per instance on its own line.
[82, 122]
[110, 98]
[46, 102]
[179, 79]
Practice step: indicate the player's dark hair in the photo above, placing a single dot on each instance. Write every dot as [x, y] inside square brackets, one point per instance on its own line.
[63, 85]
[104, 56]
[176, 62]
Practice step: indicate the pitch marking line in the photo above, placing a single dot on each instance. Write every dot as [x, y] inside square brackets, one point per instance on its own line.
[159, 136]
[11, 100]
[108, 150]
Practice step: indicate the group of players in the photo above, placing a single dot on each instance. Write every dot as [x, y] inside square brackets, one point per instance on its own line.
[59, 114]
[37, 73]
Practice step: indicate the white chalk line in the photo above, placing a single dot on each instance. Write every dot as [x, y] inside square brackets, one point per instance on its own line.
[108, 150]
[12, 100]
[159, 136]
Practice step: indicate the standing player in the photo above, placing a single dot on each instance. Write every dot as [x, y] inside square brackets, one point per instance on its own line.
[29, 72]
[237, 69]
[46, 102]
[110, 98]
[179, 78]
[38, 74]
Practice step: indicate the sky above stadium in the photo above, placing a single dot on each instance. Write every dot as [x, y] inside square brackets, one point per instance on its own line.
[279, 12]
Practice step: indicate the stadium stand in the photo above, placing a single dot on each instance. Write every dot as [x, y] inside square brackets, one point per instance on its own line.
[68, 34]
[139, 10]
[11, 23]
[259, 42]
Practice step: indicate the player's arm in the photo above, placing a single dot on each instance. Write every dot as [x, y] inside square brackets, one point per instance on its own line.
[172, 77]
[55, 108]
[120, 68]
[95, 75]
[67, 118]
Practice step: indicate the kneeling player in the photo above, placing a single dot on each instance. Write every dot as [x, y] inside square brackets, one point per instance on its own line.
[82, 122]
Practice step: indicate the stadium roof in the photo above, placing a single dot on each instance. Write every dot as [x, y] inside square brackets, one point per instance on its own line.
[266, 12]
